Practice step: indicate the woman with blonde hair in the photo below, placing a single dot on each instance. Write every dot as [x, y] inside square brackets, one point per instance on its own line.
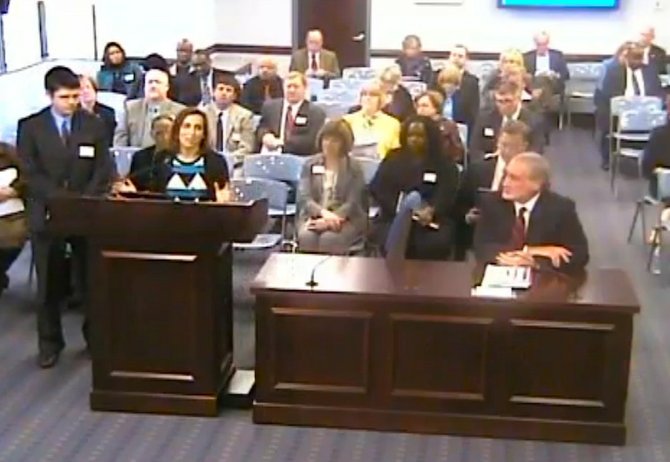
[398, 102]
[370, 124]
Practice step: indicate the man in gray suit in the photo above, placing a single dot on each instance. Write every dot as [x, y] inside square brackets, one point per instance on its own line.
[291, 124]
[314, 60]
[135, 128]
[231, 127]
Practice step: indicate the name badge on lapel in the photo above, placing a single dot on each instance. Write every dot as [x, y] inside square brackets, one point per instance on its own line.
[235, 137]
[489, 132]
[429, 177]
[300, 121]
[86, 152]
[129, 78]
[318, 169]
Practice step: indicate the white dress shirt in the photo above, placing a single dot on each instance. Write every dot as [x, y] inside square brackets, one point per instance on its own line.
[498, 174]
[645, 57]
[514, 116]
[529, 206]
[294, 112]
[630, 75]
[542, 65]
[224, 115]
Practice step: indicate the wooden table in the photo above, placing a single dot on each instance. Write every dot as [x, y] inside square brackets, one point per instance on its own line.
[411, 350]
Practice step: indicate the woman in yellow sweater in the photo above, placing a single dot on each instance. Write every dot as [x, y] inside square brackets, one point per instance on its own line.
[370, 124]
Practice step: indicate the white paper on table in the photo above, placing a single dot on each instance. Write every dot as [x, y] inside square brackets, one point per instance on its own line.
[513, 277]
[10, 206]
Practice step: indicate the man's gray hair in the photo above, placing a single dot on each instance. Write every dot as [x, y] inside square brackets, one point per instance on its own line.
[538, 167]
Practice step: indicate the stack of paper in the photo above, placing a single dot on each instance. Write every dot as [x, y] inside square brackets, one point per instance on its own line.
[513, 277]
[10, 206]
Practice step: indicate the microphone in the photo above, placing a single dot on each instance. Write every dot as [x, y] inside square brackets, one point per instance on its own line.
[312, 281]
[158, 155]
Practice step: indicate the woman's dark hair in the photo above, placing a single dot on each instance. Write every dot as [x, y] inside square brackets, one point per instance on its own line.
[179, 121]
[105, 53]
[60, 77]
[340, 130]
[434, 144]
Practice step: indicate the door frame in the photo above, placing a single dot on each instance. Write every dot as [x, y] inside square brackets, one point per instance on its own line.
[298, 41]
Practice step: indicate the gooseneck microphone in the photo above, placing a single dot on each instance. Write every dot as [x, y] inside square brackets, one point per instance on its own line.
[312, 277]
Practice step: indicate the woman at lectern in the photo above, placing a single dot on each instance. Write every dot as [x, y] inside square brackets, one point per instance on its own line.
[190, 170]
[421, 165]
[331, 195]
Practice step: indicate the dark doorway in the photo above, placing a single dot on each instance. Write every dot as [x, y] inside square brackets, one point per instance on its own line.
[345, 25]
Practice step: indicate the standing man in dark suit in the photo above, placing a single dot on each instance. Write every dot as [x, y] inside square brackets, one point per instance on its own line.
[529, 225]
[291, 124]
[507, 107]
[314, 60]
[547, 62]
[483, 177]
[632, 78]
[467, 95]
[64, 150]
[197, 89]
[263, 87]
[653, 54]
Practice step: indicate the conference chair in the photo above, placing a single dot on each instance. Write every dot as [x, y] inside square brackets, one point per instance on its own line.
[414, 88]
[123, 157]
[632, 126]
[365, 151]
[580, 89]
[395, 246]
[658, 200]
[276, 192]
[316, 88]
[359, 73]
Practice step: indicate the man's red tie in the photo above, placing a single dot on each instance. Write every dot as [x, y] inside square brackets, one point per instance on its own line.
[519, 230]
[290, 121]
[314, 65]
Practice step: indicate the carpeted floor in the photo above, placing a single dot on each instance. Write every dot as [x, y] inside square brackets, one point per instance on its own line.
[44, 415]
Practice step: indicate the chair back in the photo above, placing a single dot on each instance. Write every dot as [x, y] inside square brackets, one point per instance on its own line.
[335, 109]
[663, 183]
[414, 88]
[230, 161]
[252, 189]
[619, 104]
[359, 73]
[315, 88]
[398, 234]
[366, 151]
[123, 158]
[641, 121]
[370, 167]
[280, 167]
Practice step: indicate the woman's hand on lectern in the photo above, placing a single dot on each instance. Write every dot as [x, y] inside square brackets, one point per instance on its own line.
[123, 186]
[224, 194]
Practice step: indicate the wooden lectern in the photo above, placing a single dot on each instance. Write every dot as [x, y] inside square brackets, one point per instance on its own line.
[160, 278]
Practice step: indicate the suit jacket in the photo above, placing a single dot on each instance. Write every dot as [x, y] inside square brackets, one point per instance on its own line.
[466, 101]
[658, 58]
[487, 128]
[401, 105]
[108, 117]
[239, 137]
[553, 221]
[84, 166]
[302, 140]
[187, 89]
[557, 63]
[327, 61]
[134, 129]
[253, 93]
[349, 199]
[419, 67]
[477, 177]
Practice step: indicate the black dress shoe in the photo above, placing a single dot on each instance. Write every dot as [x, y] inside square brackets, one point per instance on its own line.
[47, 359]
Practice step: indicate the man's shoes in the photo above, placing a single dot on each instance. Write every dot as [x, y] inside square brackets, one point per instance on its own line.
[47, 359]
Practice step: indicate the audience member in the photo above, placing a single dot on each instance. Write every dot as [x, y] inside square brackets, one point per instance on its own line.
[484, 176]
[370, 124]
[399, 102]
[547, 62]
[413, 63]
[656, 154]
[653, 54]
[263, 87]
[182, 66]
[461, 95]
[156, 61]
[632, 78]
[292, 123]
[528, 224]
[331, 196]
[89, 102]
[418, 165]
[13, 225]
[64, 150]
[205, 76]
[146, 162]
[617, 59]
[184, 83]
[509, 57]
[135, 129]
[314, 60]
[429, 104]
[117, 74]
[231, 127]
[507, 107]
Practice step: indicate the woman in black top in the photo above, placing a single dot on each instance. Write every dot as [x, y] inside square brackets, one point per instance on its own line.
[190, 170]
[421, 165]
[88, 99]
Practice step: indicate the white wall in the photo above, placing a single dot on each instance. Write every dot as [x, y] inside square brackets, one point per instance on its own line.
[484, 27]
[22, 42]
[253, 22]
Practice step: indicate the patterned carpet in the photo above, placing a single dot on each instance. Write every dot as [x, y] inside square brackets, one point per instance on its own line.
[44, 415]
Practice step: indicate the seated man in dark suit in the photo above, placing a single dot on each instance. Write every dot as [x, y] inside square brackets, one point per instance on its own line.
[263, 87]
[653, 54]
[529, 225]
[632, 78]
[508, 107]
[413, 63]
[468, 89]
[314, 60]
[656, 154]
[291, 124]
[483, 177]
[545, 61]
